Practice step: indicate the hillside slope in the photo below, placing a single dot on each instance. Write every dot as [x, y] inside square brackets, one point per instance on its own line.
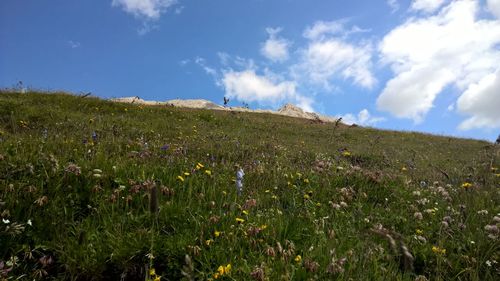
[97, 190]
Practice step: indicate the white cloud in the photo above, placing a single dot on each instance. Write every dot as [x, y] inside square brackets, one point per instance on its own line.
[494, 7]
[147, 9]
[73, 44]
[393, 4]
[482, 101]
[209, 70]
[427, 6]
[325, 60]
[329, 55]
[428, 54]
[275, 48]
[363, 118]
[247, 86]
[323, 28]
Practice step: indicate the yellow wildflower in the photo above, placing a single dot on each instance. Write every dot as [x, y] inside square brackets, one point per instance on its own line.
[438, 250]
[245, 212]
[274, 197]
[157, 278]
[152, 272]
[306, 180]
[318, 204]
[208, 172]
[208, 242]
[186, 173]
[262, 227]
[180, 178]
[216, 275]
[306, 196]
[419, 231]
[220, 270]
[404, 169]
[346, 153]
[240, 220]
[217, 233]
[298, 259]
[199, 166]
[227, 269]
[466, 185]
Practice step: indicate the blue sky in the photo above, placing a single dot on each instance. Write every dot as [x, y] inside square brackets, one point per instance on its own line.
[417, 65]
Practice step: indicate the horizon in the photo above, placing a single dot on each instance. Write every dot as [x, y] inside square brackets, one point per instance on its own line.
[415, 66]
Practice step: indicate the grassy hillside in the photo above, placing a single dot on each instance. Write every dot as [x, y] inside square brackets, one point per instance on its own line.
[95, 190]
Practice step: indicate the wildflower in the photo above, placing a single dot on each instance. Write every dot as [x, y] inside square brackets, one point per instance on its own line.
[239, 179]
[30, 223]
[274, 197]
[482, 212]
[217, 233]
[419, 231]
[346, 153]
[306, 180]
[157, 278]
[306, 196]
[73, 169]
[245, 212]
[494, 169]
[186, 174]
[208, 242]
[180, 178]
[438, 250]
[418, 215]
[199, 166]
[152, 271]
[466, 185]
[262, 227]
[208, 172]
[298, 259]
[6, 221]
[240, 220]
[403, 169]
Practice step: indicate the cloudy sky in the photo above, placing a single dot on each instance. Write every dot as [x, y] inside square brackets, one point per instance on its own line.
[416, 65]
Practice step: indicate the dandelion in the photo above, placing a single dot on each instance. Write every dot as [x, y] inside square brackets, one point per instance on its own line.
[298, 259]
[438, 250]
[240, 220]
[180, 178]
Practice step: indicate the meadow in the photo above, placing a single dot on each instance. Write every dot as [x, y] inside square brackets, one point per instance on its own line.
[96, 190]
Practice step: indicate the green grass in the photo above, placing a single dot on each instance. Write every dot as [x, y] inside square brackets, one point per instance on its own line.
[338, 212]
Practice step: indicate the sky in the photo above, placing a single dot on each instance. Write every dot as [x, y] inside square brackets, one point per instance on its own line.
[415, 65]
